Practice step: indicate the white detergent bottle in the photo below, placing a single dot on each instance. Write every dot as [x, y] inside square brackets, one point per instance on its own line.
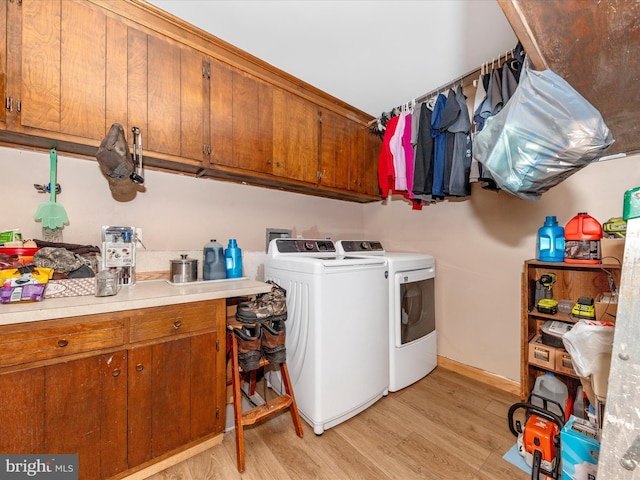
[551, 388]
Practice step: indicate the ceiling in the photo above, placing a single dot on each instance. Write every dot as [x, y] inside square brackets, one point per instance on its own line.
[372, 54]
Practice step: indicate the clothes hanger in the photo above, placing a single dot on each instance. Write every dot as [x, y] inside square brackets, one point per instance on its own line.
[431, 102]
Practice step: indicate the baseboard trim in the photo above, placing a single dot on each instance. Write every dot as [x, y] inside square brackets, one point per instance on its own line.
[157, 466]
[481, 375]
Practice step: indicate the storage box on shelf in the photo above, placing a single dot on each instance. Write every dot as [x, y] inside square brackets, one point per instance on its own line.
[612, 250]
[550, 358]
[606, 307]
[572, 282]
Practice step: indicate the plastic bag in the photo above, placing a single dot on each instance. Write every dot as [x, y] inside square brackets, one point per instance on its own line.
[586, 342]
[546, 132]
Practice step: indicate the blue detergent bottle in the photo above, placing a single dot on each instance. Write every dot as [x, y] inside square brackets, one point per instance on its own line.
[233, 259]
[550, 244]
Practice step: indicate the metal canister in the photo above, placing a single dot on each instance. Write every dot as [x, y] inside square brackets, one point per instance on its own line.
[184, 269]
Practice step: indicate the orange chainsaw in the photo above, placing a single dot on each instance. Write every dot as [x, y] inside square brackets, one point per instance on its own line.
[539, 440]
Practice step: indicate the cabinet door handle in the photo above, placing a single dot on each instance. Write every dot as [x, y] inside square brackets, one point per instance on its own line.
[63, 342]
[139, 367]
[116, 372]
[268, 161]
[177, 324]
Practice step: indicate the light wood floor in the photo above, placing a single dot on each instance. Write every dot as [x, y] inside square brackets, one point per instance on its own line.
[444, 427]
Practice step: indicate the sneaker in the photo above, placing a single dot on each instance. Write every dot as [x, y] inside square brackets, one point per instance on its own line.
[267, 306]
[248, 338]
[273, 337]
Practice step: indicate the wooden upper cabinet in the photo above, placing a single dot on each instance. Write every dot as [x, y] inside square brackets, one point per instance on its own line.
[62, 82]
[363, 174]
[348, 155]
[72, 68]
[295, 137]
[166, 96]
[163, 90]
[335, 151]
[219, 120]
[370, 185]
[252, 124]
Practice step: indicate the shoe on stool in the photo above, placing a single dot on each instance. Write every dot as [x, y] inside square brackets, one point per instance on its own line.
[267, 306]
[273, 339]
[249, 353]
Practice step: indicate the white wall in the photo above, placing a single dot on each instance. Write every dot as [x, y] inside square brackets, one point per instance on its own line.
[176, 212]
[480, 245]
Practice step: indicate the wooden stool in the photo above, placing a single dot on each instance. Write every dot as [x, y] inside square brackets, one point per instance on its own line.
[286, 400]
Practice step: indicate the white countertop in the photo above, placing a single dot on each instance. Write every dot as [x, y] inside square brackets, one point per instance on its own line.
[143, 294]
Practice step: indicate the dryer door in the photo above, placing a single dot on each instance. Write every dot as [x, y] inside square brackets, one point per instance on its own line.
[415, 305]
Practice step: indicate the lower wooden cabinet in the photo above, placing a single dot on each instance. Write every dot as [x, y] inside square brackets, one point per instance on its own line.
[172, 386]
[119, 408]
[76, 407]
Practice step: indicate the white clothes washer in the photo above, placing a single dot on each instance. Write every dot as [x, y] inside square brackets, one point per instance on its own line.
[337, 329]
[413, 349]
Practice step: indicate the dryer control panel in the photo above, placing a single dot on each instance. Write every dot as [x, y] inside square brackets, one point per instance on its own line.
[353, 246]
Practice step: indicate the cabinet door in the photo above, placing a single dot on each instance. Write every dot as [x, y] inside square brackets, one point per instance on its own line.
[364, 172]
[172, 387]
[295, 137]
[335, 151]
[158, 399]
[71, 407]
[166, 95]
[358, 160]
[3, 60]
[370, 174]
[252, 124]
[22, 406]
[85, 412]
[193, 104]
[63, 68]
[219, 123]
[208, 385]
[163, 88]
[348, 156]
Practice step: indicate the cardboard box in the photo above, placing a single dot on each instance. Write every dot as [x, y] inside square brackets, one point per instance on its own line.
[564, 364]
[605, 307]
[612, 250]
[541, 354]
[580, 449]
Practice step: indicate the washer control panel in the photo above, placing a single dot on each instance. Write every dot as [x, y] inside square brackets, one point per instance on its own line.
[298, 245]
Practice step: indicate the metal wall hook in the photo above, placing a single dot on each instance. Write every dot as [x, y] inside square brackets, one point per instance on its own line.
[47, 188]
[136, 176]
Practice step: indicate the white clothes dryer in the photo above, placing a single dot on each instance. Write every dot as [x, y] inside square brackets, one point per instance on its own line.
[413, 349]
[337, 334]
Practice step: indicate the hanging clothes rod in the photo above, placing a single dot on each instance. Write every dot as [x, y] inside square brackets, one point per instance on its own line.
[471, 75]
[463, 80]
